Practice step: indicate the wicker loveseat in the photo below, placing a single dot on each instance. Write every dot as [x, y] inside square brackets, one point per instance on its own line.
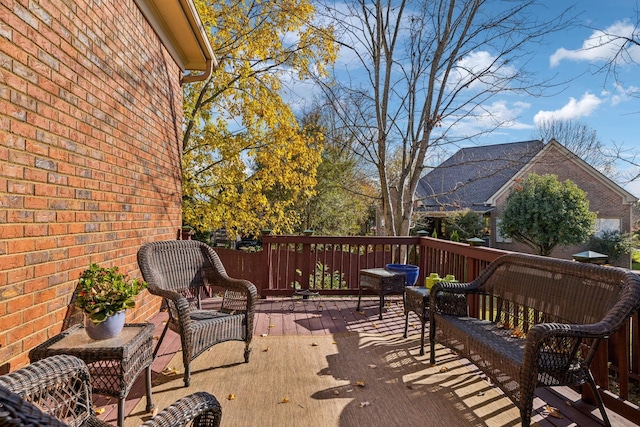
[545, 319]
[56, 392]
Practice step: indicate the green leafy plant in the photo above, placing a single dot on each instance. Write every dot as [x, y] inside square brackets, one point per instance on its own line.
[323, 278]
[102, 292]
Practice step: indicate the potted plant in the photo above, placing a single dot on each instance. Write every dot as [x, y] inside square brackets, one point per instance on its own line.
[103, 295]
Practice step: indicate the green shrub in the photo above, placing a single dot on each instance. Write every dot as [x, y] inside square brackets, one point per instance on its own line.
[611, 243]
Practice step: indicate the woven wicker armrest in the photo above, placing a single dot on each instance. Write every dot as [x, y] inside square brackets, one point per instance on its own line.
[180, 302]
[451, 298]
[202, 408]
[240, 295]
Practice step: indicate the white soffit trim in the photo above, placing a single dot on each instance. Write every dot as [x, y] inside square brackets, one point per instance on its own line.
[179, 27]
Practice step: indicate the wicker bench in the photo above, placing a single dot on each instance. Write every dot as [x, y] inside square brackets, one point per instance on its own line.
[546, 318]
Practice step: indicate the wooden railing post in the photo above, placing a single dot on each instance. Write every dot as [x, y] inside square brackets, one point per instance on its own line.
[305, 263]
[266, 264]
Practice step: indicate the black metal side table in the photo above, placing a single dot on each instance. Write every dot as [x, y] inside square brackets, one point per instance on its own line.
[382, 282]
[417, 301]
[114, 363]
[306, 294]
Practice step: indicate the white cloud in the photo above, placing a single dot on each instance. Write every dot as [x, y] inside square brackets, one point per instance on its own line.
[623, 94]
[574, 109]
[498, 115]
[477, 63]
[600, 46]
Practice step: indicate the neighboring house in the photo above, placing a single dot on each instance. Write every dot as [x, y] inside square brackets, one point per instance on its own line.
[480, 179]
[90, 146]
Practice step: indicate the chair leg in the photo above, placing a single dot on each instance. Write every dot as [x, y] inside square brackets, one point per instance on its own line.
[525, 416]
[247, 353]
[432, 343]
[187, 369]
[594, 388]
[164, 332]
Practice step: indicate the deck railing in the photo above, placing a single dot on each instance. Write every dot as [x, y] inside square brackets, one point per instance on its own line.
[331, 265]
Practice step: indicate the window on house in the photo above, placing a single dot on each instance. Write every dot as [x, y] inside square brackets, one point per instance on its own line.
[499, 237]
[607, 224]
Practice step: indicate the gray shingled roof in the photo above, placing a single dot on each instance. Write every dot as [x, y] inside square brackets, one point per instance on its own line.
[472, 175]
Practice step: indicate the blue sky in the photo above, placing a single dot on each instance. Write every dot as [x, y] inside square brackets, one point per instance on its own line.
[592, 98]
[611, 109]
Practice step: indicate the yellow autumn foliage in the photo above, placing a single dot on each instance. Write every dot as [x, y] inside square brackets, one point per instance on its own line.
[246, 160]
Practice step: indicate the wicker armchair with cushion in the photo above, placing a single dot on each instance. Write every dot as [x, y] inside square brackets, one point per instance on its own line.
[55, 392]
[185, 271]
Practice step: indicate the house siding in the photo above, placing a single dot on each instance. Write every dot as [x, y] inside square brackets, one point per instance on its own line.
[90, 144]
[602, 200]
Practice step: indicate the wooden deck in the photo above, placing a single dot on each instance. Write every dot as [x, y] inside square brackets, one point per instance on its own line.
[302, 317]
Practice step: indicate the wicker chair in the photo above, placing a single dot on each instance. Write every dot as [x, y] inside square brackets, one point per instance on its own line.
[55, 392]
[182, 272]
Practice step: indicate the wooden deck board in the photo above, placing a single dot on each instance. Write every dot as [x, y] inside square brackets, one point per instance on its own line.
[273, 317]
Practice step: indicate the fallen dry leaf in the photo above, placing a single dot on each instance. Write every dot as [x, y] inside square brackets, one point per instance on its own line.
[566, 402]
[518, 333]
[314, 344]
[361, 312]
[364, 404]
[99, 411]
[285, 400]
[333, 317]
[375, 325]
[360, 383]
[272, 325]
[264, 335]
[444, 369]
[231, 397]
[372, 365]
[552, 412]
[266, 349]
[170, 371]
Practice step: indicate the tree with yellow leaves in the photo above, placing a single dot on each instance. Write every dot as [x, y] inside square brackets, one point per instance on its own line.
[242, 143]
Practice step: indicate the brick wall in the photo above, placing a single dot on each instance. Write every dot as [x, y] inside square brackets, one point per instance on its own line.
[602, 200]
[90, 131]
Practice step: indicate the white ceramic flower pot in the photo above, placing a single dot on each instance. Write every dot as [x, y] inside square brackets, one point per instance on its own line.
[110, 328]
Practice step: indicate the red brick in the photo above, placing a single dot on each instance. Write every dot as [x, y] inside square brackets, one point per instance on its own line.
[10, 321]
[71, 154]
[9, 262]
[23, 245]
[42, 271]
